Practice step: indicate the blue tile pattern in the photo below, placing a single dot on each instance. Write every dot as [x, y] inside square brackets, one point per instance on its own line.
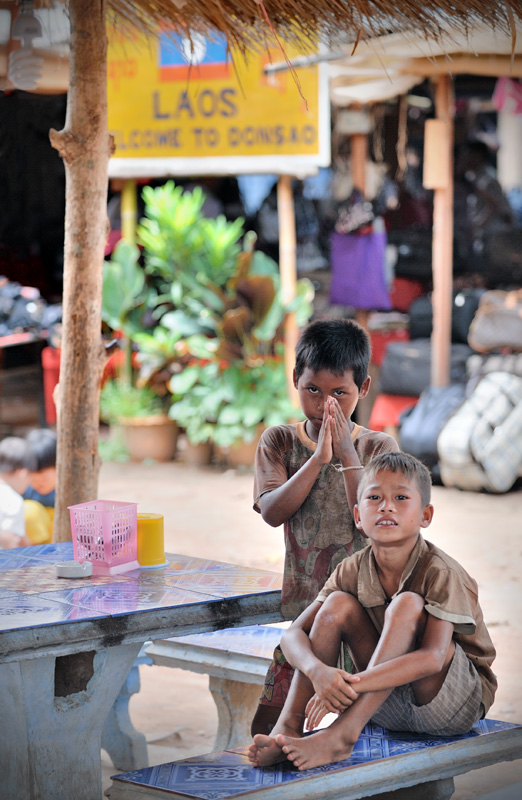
[229, 774]
[252, 640]
[27, 611]
[31, 595]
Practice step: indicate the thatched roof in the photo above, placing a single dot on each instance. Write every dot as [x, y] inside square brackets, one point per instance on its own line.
[244, 21]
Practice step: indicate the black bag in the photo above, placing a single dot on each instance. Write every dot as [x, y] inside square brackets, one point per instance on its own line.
[355, 214]
[406, 369]
[413, 253]
[420, 315]
[504, 259]
[465, 304]
[420, 426]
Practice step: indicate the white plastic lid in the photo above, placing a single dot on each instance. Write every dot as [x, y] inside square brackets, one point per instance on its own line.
[73, 569]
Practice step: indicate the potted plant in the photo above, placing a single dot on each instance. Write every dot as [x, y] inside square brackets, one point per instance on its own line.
[135, 409]
[235, 383]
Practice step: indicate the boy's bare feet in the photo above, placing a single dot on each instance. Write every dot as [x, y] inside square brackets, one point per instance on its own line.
[316, 750]
[265, 750]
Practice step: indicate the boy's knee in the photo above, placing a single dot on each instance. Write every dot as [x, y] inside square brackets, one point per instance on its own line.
[338, 605]
[406, 607]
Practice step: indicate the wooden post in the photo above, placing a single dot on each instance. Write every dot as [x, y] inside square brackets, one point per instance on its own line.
[129, 211]
[288, 271]
[85, 147]
[439, 165]
[358, 159]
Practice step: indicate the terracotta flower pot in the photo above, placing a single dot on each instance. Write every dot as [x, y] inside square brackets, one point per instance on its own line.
[241, 454]
[150, 437]
[197, 455]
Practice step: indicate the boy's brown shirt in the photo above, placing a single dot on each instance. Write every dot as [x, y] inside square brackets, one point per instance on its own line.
[448, 591]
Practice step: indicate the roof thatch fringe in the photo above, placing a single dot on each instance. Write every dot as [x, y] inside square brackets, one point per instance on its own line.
[243, 23]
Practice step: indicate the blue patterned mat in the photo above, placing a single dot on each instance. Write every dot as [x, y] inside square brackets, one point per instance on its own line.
[227, 774]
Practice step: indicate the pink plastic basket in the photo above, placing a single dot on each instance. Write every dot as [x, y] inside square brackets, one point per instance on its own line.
[105, 533]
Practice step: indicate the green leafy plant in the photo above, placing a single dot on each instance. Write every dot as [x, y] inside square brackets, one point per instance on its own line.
[236, 380]
[118, 400]
[207, 318]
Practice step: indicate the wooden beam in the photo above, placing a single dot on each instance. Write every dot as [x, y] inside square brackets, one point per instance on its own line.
[489, 65]
[443, 236]
[288, 271]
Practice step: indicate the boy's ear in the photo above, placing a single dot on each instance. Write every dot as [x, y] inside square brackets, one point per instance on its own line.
[294, 378]
[427, 515]
[357, 516]
[363, 391]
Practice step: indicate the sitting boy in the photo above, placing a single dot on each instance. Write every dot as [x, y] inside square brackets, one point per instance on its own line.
[39, 496]
[16, 462]
[306, 477]
[410, 616]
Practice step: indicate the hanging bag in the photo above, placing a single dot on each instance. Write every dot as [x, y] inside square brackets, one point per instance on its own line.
[497, 322]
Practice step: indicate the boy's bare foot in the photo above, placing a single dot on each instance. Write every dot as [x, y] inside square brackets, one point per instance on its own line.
[265, 750]
[314, 751]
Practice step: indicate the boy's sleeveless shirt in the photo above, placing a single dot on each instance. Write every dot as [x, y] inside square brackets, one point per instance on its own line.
[322, 531]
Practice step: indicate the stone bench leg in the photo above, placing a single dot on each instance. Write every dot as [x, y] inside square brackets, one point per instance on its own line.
[126, 746]
[236, 705]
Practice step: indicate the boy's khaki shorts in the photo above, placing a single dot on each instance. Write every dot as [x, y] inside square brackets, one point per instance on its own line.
[454, 710]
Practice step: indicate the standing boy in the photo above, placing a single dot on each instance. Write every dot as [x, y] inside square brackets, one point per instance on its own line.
[410, 616]
[16, 462]
[306, 477]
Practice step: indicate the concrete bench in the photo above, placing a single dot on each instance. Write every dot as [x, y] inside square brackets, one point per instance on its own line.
[383, 765]
[236, 661]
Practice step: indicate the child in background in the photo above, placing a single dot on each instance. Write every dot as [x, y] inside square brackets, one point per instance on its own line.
[17, 460]
[410, 616]
[39, 496]
[306, 477]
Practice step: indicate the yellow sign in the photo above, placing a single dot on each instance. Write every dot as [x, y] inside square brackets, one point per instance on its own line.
[187, 108]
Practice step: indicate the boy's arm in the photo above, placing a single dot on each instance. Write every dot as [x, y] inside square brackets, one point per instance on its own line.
[279, 504]
[429, 659]
[329, 683]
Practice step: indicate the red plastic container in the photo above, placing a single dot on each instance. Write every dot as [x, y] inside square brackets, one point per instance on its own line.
[51, 376]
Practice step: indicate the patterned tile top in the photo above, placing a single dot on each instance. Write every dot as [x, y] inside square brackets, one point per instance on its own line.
[228, 774]
[31, 595]
[253, 640]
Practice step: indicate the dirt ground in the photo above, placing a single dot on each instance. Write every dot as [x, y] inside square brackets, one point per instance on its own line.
[208, 513]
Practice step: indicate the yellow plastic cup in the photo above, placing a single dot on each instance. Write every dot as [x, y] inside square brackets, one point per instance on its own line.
[151, 543]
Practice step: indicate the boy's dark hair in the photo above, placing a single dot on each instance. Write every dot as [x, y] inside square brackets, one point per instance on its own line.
[411, 468]
[42, 442]
[336, 345]
[16, 453]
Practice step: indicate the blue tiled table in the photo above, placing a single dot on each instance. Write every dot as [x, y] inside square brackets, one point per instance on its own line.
[66, 647]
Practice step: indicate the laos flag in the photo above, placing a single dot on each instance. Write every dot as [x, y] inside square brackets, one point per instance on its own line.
[182, 58]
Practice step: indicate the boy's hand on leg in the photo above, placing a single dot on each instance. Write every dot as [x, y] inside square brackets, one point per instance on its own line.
[333, 688]
[315, 713]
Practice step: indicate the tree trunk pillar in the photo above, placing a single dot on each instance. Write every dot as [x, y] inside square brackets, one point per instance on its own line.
[85, 147]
